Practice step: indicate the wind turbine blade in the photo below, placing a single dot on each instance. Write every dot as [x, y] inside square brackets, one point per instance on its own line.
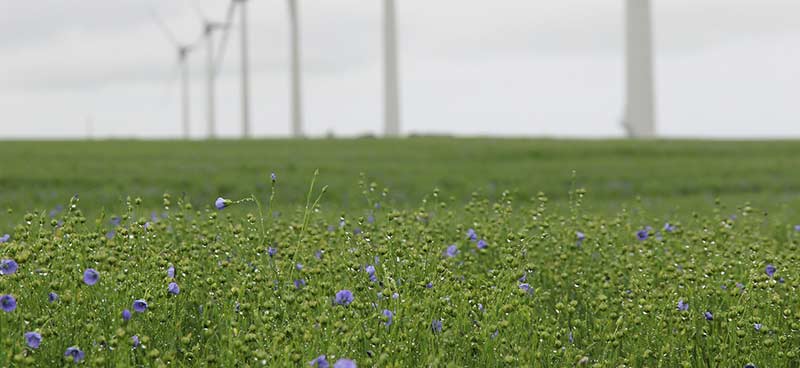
[164, 29]
[198, 10]
[223, 43]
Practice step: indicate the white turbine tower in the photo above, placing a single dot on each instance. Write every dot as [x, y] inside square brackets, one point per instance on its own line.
[245, 59]
[639, 119]
[296, 82]
[209, 28]
[183, 54]
[391, 94]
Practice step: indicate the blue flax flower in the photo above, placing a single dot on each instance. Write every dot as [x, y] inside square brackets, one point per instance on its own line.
[75, 353]
[343, 297]
[344, 363]
[91, 276]
[320, 362]
[8, 267]
[770, 270]
[33, 339]
[173, 288]
[8, 303]
[139, 306]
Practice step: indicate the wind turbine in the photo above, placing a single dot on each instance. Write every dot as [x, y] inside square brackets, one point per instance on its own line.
[209, 27]
[391, 94]
[183, 54]
[639, 119]
[296, 82]
[245, 59]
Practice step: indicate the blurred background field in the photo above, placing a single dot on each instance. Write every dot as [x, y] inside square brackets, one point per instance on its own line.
[663, 177]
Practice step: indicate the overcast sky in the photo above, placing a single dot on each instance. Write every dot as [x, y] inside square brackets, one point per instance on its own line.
[724, 68]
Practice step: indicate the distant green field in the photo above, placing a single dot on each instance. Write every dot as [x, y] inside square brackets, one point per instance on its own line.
[668, 176]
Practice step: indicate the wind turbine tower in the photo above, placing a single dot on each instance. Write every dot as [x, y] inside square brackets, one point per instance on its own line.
[639, 119]
[245, 68]
[209, 27]
[183, 64]
[296, 82]
[391, 94]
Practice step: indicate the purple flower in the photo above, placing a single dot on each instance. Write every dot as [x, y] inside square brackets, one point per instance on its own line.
[126, 315]
[708, 315]
[495, 333]
[357, 231]
[173, 289]
[642, 235]
[76, 354]
[139, 306]
[436, 326]
[33, 339]
[318, 254]
[299, 283]
[482, 244]
[429, 285]
[110, 234]
[526, 287]
[221, 203]
[115, 220]
[90, 276]
[8, 303]
[471, 235]
[52, 297]
[371, 272]
[669, 228]
[4, 238]
[683, 306]
[395, 296]
[320, 362]
[757, 326]
[451, 251]
[273, 177]
[344, 363]
[272, 251]
[480, 307]
[571, 339]
[343, 297]
[135, 341]
[171, 272]
[796, 227]
[370, 219]
[389, 316]
[8, 267]
[770, 270]
[581, 236]
[299, 267]
[781, 280]
[524, 277]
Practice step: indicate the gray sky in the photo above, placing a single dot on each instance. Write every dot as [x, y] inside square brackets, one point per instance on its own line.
[724, 68]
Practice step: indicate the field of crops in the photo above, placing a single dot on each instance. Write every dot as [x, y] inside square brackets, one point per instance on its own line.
[444, 252]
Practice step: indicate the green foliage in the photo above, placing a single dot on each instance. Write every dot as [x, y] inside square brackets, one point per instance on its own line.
[608, 300]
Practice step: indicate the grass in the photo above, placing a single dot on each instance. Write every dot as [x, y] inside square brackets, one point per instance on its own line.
[537, 295]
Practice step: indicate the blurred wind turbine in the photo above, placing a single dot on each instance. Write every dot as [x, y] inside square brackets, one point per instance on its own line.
[183, 54]
[639, 118]
[208, 32]
[296, 82]
[391, 94]
[245, 59]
